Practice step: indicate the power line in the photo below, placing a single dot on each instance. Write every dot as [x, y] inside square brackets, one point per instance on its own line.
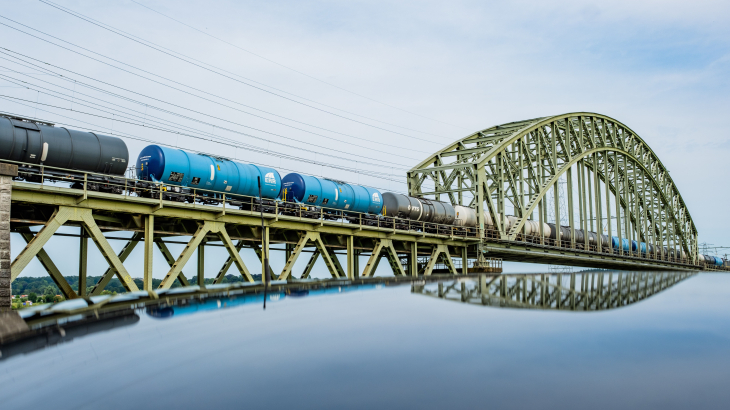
[120, 134]
[294, 70]
[161, 83]
[222, 142]
[220, 73]
[195, 120]
[252, 148]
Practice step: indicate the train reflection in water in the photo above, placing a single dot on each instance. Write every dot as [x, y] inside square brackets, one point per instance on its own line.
[188, 306]
[576, 291]
[579, 292]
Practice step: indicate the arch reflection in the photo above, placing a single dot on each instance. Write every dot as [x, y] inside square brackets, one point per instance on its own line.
[589, 291]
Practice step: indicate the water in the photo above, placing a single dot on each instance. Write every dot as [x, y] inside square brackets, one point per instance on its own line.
[388, 347]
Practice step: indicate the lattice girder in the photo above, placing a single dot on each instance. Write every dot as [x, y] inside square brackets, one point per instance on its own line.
[514, 168]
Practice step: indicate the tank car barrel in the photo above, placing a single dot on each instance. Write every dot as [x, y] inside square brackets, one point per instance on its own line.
[35, 143]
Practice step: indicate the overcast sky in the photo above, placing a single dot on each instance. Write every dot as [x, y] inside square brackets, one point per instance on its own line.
[361, 91]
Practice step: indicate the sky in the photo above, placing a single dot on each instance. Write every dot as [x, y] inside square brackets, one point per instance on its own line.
[362, 91]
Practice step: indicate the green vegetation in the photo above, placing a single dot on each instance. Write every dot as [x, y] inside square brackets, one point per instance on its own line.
[44, 290]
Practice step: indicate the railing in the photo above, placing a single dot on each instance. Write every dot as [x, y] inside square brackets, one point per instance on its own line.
[484, 263]
[658, 255]
[131, 187]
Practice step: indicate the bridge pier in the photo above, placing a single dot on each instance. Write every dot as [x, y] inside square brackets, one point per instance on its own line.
[7, 172]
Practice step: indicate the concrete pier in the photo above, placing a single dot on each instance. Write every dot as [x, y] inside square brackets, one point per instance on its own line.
[7, 172]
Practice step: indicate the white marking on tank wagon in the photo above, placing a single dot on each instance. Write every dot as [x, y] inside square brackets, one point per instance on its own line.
[376, 197]
[269, 178]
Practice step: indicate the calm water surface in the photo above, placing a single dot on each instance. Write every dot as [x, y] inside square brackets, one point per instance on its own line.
[391, 348]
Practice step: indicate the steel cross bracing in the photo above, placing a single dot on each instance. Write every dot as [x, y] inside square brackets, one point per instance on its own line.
[156, 222]
[614, 180]
[576, 291]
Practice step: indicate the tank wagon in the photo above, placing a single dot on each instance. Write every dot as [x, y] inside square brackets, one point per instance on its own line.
[38, 145]
[333, 199]
[99, 161]
[214, 177]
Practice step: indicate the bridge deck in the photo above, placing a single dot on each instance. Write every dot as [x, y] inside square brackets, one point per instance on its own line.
[408, 252]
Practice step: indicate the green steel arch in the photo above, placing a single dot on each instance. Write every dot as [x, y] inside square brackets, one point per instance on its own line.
[614, 182]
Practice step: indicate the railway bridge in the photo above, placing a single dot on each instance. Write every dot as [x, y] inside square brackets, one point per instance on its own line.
[585, 172]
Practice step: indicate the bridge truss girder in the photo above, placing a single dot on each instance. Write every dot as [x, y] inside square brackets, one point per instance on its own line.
[595, 291]
[612, 176]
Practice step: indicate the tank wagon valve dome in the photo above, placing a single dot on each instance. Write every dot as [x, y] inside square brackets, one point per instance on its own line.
[59, 147]
[178, 167]
[331, 194]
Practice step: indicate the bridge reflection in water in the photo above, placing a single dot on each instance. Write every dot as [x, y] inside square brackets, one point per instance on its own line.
[48, 325]
[577, 291]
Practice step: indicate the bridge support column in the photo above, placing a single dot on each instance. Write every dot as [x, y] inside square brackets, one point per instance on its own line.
[260, 255]
[413, 266]
[83, 260]
[7, 172]
[149, 247]
[264, 255]
[351, 257]
[464, 261]
[201, 265]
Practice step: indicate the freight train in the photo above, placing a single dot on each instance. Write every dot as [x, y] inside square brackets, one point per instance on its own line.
[99, 162]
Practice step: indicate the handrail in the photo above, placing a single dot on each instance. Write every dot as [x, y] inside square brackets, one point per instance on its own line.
[215, 198]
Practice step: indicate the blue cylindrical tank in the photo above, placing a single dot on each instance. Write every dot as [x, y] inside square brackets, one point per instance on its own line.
[177, 167]
[643, 247]
[634, 246]
[718, 261]
[625, 242]
[331, 194]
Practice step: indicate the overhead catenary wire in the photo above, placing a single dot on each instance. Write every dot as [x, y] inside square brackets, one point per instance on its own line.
[74, 98]
[215, 138]
[164, 84]
[225, 75]
[77, 82]
[96, 127]
[295, 70]
[124, 135]
[222, 142]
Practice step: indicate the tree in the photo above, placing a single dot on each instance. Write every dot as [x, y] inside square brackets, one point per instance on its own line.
[33, 297]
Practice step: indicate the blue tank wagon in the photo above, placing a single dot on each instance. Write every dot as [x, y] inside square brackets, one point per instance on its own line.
[206, 173]
[331, 195]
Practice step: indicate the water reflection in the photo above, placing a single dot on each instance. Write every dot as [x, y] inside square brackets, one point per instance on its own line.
[579, 292]
[64, 331]
[576, 291]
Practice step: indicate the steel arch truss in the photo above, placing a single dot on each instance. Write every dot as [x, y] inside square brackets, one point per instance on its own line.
[615, 183]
